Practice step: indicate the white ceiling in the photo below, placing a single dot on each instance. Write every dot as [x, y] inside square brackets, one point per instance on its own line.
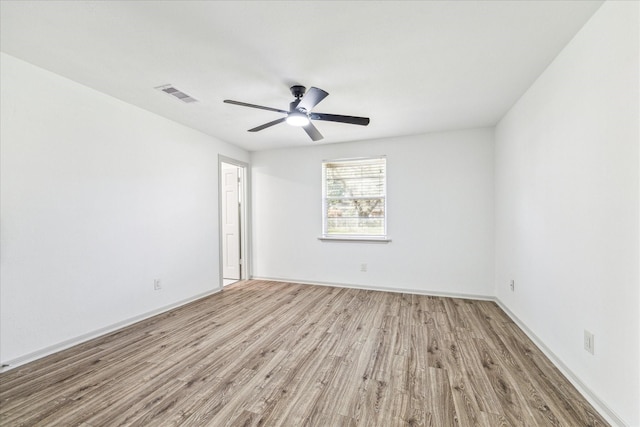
[412, 67]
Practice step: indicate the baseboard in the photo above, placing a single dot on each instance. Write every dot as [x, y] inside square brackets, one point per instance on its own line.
[585, 391]
[12, 364]
[381, 288]
[589, 395]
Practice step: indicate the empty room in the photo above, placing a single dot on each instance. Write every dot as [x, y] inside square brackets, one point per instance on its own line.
[320, 213]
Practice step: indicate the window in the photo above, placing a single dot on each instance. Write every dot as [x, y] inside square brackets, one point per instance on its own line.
[354, 198]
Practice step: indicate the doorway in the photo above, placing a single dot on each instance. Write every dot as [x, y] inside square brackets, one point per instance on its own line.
[232, 186]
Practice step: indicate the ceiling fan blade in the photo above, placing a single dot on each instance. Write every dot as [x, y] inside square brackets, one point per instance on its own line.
[313, 132]
[362, 121]
[244, 104]
[266, 125]
[312, 98]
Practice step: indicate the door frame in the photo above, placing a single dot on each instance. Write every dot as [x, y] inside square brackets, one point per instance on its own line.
[245, 219]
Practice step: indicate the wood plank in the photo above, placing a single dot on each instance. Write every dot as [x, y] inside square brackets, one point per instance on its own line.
[274, 353]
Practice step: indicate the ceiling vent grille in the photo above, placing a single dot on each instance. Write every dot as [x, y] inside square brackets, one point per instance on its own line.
[170, 90]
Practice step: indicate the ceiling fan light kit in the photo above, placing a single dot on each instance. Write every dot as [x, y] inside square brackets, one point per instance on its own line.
[297, 119]
[300, 114]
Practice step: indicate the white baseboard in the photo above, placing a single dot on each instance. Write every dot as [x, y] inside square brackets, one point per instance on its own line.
[589, 395]
[381, 288]
[602, 408]
[585, 391]
[12, 364]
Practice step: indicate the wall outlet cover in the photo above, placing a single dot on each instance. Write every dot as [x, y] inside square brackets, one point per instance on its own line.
[589, 344]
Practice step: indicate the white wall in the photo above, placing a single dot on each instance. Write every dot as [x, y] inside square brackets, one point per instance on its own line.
[98, 198]
[440, 215]
[567, 207]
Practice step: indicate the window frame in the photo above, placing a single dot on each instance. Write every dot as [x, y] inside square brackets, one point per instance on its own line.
[325, 235]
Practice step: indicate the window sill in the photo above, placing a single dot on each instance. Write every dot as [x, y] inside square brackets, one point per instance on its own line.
[365, 239]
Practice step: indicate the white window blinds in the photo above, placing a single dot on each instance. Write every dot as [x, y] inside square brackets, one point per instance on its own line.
[354, 197]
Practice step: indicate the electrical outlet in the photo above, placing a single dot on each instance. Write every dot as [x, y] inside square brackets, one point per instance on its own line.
[363, 267]
[512, 285]
[589, 344]
[156, 285]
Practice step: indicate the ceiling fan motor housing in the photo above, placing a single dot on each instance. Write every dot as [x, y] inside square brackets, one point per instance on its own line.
[293, 105]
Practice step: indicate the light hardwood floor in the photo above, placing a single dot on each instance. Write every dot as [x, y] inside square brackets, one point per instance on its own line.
[270, 353]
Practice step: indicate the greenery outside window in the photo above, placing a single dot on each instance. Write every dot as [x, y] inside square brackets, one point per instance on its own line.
[354, 199]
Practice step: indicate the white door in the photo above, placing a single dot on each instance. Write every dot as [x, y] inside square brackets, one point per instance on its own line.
[230, 223]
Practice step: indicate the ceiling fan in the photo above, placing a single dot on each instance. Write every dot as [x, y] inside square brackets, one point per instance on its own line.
[300, 113]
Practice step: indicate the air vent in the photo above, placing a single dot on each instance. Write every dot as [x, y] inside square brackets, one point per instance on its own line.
[170, 90]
